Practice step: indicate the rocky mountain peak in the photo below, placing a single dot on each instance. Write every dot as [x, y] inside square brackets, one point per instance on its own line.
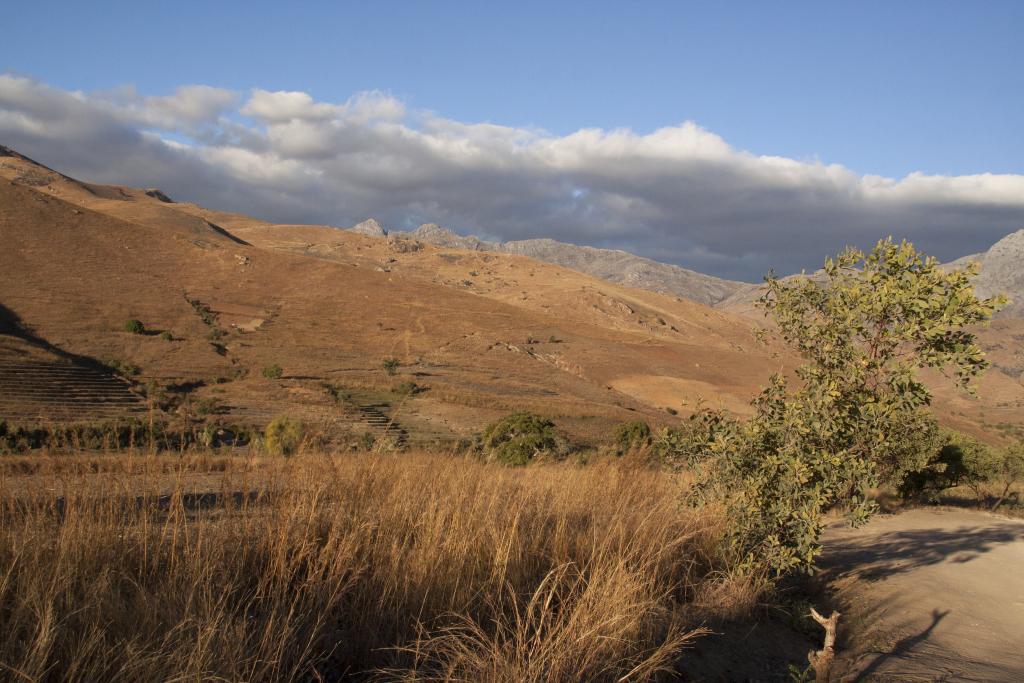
[1002, 272]
[370, 227]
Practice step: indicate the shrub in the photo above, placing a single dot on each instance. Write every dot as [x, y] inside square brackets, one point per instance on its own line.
[273, 371]
[203, 311]
[125, 369]
[390, 365]
[337, 393]
[519, 438]
[1001, 468]
[632, 435]
[956, 460]
[282, 436]
[963, 460]
[1009, 471]
[215, 334]
[134, 326]
[166, 336]
[367, 441]
[409, 388]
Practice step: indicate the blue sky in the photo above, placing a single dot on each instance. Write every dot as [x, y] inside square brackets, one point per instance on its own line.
[725, 137]
[881, 87]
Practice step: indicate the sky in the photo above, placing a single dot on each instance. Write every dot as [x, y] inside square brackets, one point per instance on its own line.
[726, 137]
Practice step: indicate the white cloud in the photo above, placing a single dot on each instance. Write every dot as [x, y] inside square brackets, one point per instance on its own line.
[680, 193]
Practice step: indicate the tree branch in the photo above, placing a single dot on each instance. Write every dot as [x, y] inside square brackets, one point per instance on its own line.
[823, 658]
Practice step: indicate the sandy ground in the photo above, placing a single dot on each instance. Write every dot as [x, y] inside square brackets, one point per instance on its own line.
[933, 595]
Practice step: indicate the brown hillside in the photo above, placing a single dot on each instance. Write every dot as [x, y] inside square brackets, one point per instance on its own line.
[486, 333]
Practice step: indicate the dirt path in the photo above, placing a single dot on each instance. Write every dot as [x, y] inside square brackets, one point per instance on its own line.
[934, 595]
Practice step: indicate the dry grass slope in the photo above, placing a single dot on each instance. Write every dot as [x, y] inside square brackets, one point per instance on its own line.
[412, 567]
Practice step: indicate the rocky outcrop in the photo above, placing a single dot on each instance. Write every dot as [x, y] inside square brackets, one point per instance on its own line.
[1002, 271]
[432, 233]
[159, 195]
[370, 228]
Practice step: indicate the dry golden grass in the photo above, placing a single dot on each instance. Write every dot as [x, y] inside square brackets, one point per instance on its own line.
[399, 567]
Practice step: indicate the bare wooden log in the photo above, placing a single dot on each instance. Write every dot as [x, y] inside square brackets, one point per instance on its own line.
[822, 660]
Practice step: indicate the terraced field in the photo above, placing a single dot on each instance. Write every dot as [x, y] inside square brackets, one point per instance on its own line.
[55, 391]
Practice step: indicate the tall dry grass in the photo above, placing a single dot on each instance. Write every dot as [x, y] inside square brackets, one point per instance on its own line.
[402, 567]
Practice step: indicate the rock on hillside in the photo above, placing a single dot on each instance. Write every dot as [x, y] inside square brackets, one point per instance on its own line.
[1002, 271]
[369, 227]
[613, 265]
[158, 194]
[434, 234]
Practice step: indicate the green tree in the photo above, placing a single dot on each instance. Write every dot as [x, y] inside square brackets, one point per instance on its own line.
[519, 438]
[857, 416]
[1002, 468]
[1010, 471]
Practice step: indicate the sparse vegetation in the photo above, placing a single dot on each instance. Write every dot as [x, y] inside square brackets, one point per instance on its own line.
[390, 365]
[336, 392]
[122, 368]
[206, 407]
[134, 326]
[272, 371]
[409, 388]
[100, 435]
[204, 312]
[283, 436]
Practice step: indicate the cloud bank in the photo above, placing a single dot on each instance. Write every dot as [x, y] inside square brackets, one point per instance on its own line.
[680, 194]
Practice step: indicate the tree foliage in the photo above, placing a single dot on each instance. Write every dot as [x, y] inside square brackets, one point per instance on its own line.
[856, 416]
[519, 438]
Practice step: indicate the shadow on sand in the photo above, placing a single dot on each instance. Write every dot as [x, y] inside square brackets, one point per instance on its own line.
[902, 647]
[898, 552]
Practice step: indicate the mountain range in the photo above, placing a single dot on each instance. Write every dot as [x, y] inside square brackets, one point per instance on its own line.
[612, 265]
[1001, 266]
